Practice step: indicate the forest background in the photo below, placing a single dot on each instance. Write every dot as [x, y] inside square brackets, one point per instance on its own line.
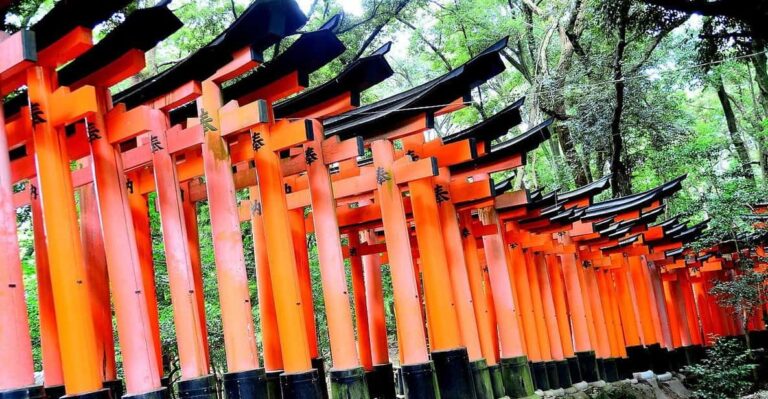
[643, 90]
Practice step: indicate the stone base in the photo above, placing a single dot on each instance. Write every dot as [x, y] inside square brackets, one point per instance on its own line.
[481, 379]
[420, 381]
[55, 392]
[381, 383]
[304, 385]
[552, 377]
[518, 381]
[161, 393]
[588, 366]
[198, 388]
[563, 374]
[574, 370]
[349, 384]
[37, 392]
[659, 359]
[250, 384]
[497, 381]
[319, 365]
[272, 379]
[540, 378]
[454, 377]
[611, 370]
[639, 357]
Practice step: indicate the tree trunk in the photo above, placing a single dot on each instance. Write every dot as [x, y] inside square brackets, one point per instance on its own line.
[574, 164]
[761, 76]
[620, 178]
[733, 130]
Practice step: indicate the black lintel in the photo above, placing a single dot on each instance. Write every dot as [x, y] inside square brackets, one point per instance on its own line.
[130, 35]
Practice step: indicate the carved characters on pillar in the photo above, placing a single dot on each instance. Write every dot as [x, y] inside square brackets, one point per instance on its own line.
[310, 155]
[382, 176]
[257, 141]
[38, 116]
[154, 142]
[206, 121]
[441, 194]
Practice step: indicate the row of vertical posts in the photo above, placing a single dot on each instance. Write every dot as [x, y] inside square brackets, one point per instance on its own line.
[486, 306]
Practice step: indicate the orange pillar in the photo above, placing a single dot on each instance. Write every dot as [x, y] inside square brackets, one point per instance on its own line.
[140, 216]
[538, 306]
[692, 317]
[441, 310]
[581, 338]
[341, 332]
[417, 370]
[517, 376]
[77, 337]
[628, 317]
[299, 237]
[557, 287]
[449, 353]
[643, 300]
[413, 343]
[231, 277]
[598, 316]
[96, 269]
[548, 302]
[661, 305]
[120, 252]
[187, 314]
[15, 343]
[361, 309]
[270, 336]
[608, 302]
[486, 326]
[519, 275]
[49, 336]
[374, 302]
[193, 242]
[457, 270]
[281, 256]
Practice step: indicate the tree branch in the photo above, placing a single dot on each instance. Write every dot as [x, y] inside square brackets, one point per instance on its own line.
[427, 42]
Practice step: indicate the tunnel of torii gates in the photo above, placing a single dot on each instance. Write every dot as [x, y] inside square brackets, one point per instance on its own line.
[497, 291]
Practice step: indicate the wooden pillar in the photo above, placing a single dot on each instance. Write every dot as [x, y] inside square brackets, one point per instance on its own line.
[120, 251]
[231, 277]
[141, 224]
[15, 343]
[49, 336]
[557, 286]
[193, 243]
[413, 343]
[643, 300]
[299, 237]
[486, 326]
[581, 336]
[294, 342]
[187, 314]
[341, 331]
[517, 376]
[77, 337]
[98, 277]
[628, 317]
[519, 275]
[361, 308]
[270, 336]
[374, 302]
[457, 270]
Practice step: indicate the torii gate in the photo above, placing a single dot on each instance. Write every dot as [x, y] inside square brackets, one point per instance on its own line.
[101, 68]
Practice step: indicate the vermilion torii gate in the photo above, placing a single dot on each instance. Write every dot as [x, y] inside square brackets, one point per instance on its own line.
[497, 292]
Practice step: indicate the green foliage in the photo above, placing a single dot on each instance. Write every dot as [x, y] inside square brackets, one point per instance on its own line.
[744, 293]
[725, 372]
